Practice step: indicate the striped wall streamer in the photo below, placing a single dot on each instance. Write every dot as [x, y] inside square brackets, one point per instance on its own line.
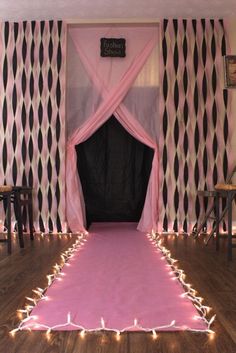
[195, 125]
[32, 109]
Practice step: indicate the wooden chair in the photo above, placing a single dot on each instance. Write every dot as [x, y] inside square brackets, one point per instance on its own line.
[211, 213]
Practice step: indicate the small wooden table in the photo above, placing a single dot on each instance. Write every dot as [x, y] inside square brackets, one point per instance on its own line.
[227, 191]
[5, 195]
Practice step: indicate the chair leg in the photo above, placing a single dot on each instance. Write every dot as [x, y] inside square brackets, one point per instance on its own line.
[201, 226]
[229, 206]
[19, 219]
[217, 213]
[30, 213]
[214, 228]
[9, 224]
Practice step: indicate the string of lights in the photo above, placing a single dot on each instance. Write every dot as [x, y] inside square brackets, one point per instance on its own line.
[29, 322]
[179, 274]
[40, 292]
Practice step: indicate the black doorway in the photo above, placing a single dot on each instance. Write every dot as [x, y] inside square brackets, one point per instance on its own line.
[114, 169]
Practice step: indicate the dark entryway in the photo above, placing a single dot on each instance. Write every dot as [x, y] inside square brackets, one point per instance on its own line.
[114, 169]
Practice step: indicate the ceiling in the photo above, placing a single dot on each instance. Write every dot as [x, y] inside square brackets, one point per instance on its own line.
[115, 9]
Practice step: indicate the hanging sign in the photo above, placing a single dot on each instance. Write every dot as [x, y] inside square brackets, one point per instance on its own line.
[113, 47]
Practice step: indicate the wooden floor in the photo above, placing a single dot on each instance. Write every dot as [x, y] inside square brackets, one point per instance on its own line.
[209, 272]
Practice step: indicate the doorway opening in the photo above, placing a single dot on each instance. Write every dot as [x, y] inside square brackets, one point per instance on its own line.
[114, 169]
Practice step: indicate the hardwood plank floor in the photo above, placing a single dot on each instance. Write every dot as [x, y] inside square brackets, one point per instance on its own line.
[209, 272]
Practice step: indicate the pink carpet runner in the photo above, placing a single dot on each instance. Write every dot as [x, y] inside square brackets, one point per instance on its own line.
[118, 275]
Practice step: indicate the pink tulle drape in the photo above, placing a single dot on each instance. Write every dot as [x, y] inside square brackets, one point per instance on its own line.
[113, 92]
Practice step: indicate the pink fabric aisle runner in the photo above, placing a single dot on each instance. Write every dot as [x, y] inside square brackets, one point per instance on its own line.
[118, 275]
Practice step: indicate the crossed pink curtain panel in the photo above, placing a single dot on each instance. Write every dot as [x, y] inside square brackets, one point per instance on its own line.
[112, 78]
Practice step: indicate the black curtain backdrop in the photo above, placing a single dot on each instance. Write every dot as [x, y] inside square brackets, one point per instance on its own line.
[114, 169]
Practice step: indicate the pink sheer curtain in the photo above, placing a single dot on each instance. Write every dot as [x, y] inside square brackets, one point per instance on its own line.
[113, 83]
